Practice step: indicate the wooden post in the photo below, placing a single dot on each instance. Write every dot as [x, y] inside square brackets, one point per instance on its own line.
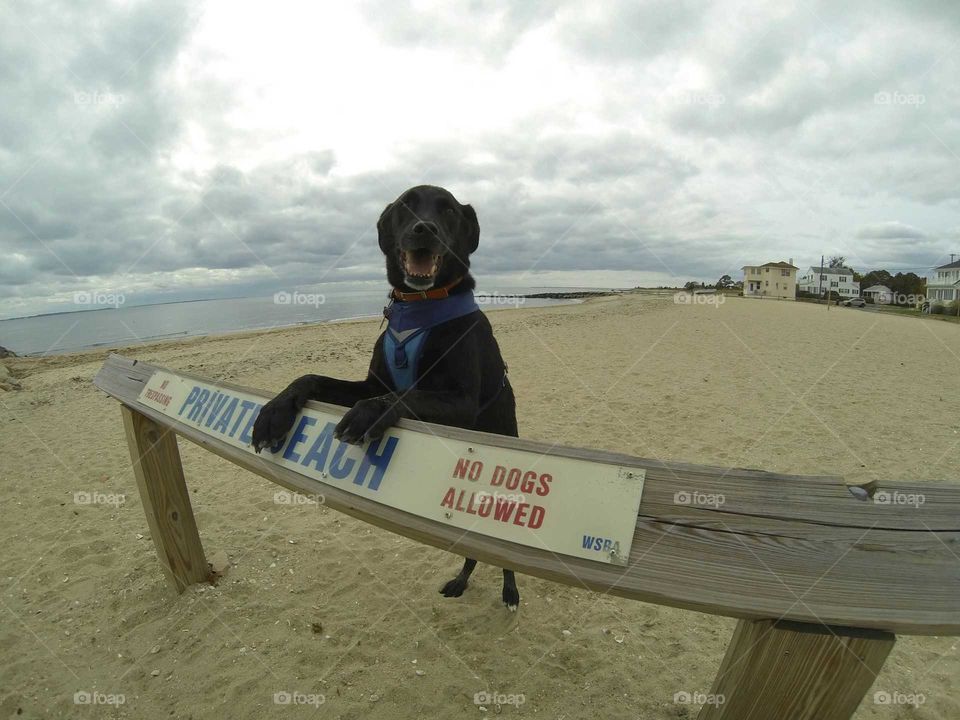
[166, 501]
[795, 671]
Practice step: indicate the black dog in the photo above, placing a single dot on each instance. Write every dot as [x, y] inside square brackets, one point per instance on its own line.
[451, 374]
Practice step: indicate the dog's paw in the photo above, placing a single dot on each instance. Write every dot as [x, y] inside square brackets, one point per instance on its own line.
[454, 588]
[274, 422]
[511, 598]
[367, 420]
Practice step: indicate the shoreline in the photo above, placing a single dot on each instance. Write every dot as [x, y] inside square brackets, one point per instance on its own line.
[492, 303]
[83, 355]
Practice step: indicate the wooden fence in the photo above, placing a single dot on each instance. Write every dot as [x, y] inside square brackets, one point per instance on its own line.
[822, 576]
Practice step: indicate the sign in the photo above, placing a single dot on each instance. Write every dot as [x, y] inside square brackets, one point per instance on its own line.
[568, 506]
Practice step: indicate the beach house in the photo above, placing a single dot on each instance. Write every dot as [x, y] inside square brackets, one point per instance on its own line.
[771, 280]
[879, 293]
[943, 282]
[834, 280]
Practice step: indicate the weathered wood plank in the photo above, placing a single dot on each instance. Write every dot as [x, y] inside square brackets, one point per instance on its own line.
[748, 493]
[791, 671]
[166, 502]
[779, 549]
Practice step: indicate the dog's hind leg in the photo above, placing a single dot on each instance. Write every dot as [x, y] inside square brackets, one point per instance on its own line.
[455, 587]
[511, 596]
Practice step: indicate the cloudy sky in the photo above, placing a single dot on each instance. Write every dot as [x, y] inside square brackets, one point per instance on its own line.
[173, 150]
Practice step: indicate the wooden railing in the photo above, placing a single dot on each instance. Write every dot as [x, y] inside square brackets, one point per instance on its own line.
[821, 575]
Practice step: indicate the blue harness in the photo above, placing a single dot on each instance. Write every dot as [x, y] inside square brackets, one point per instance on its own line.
[409, 324]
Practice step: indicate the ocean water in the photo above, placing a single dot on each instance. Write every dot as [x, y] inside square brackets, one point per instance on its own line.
[128, 325]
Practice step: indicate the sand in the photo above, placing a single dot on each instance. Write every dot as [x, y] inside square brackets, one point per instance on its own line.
[319, 604]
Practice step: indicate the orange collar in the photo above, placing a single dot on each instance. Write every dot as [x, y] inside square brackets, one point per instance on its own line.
[432, 294]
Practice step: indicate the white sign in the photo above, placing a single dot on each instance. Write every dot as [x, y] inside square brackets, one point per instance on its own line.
[567, 506]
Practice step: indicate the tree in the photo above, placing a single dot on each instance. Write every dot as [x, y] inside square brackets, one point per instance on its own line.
[691, 286]
[837, 261]
[902, 284]
[725, 282]
[876, 277]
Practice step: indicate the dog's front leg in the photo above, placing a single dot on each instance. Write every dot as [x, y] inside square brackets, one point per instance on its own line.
[369, 419]
[277, 416]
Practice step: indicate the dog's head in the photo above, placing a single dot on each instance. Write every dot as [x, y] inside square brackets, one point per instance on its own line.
[427, 237]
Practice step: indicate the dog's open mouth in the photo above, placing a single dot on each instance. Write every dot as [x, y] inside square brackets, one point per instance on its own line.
[420, 264]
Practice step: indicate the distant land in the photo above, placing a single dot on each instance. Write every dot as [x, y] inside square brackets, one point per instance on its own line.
[576, 295]
[112, 307]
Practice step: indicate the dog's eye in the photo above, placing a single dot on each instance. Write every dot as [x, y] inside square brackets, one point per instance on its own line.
[449, 211]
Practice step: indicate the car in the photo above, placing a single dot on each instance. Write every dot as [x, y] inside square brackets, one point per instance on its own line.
[855, 302]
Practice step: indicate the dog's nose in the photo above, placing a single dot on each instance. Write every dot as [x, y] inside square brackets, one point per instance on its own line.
[423, 226]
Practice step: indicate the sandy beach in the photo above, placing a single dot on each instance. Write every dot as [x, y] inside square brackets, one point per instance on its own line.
[321, 605]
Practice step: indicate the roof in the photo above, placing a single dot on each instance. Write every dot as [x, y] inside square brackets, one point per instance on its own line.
[780, 264]
[949, 266]
[878, 288]
[832, 270]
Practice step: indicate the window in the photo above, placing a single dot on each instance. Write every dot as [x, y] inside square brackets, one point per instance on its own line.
[785, 273]
[843, 278]
[823, 277]
[834, 283]
[767, 282]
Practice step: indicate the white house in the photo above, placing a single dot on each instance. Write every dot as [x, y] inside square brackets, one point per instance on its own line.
[880, 294]
[943, 283]
[836, 280]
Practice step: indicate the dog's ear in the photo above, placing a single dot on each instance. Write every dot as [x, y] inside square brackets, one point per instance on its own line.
[472, 231]
[385, 229]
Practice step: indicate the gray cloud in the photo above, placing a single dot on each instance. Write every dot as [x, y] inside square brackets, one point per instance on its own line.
[890, 230]
[485, 29]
